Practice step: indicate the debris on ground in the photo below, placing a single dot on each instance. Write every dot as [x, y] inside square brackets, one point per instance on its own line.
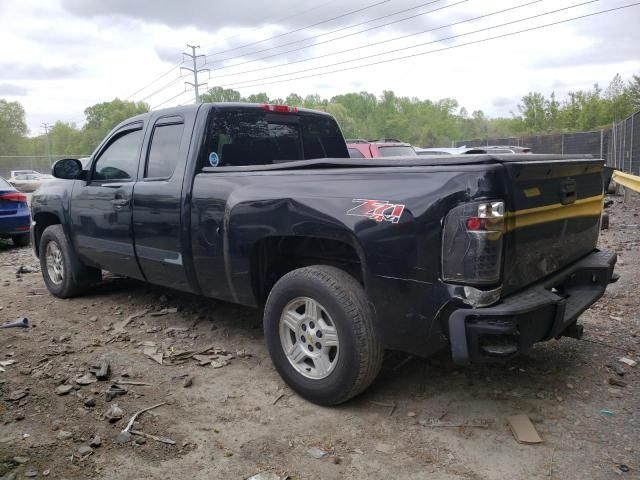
[114, 413]
[139, 412]
[165, 440]
[628, 361]
[63, 389]
[523, 430]
[317, 453]
[19, 323]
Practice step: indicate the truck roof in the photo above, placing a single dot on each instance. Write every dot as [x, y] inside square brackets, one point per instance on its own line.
[219, 106]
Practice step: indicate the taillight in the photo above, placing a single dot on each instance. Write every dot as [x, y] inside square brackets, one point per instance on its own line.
[472, 243]
[13, 197]
[279, 108]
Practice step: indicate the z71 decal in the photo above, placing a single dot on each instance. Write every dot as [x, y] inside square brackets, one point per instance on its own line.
[378, 210]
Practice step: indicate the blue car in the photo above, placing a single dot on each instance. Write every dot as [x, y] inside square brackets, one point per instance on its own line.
[15, 218]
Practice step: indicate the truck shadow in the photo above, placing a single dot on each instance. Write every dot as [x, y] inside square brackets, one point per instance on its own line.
[545, 375]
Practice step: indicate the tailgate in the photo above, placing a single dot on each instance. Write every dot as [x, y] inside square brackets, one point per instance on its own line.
[553, 216]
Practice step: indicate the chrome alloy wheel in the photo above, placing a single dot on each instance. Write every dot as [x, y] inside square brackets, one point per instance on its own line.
[309, 338]
[55, 263]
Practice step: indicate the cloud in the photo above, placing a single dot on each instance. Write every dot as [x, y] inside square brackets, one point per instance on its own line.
[33, 71]
[500, 102]
[12, 90]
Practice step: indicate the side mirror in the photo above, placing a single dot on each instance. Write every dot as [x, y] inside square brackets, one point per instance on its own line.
[68, 169]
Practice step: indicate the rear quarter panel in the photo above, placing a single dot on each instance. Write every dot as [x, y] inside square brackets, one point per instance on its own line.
[400, 259]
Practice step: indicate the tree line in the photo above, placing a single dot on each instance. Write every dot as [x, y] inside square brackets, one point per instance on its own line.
[421, 122]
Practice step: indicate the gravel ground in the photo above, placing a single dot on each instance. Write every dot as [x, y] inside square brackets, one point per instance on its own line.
[237, 418]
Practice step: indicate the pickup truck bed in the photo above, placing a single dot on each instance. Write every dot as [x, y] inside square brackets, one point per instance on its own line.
[480, 254]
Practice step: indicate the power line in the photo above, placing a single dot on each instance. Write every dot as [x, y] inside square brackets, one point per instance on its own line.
[445, 48]
[164, 87]
[170, 99]
[301, 28]
[154, 80]
[280, 19]
[195, 70]
[376, 43]
[335, 31]
[409, 47]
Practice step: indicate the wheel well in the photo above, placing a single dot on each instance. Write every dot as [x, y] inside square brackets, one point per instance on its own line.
[43, 220]
[274, 257]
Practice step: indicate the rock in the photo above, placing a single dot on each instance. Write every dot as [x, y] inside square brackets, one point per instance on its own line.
[384, 448]
[25, 370]
[317, 453]
[17, 395]
[64, 435]
[122, 437]
[96, 441]
[63, 389]
[45, 473]
[617, 382]
[140, 440]
[85, 450]
[90, 402]
[411, 414]
[86, 379]
[188, 381]
[114, 391]
[618, 369]
[21, 460]
[114, 413]
[31, 473]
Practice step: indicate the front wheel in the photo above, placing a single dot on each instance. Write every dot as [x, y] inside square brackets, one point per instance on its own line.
[63, 273]
[319, 331]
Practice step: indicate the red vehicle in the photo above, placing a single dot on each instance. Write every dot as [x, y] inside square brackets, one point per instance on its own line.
[379, 148]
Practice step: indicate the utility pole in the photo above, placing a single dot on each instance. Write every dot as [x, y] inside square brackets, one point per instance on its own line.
[45, 125]
[195, 70]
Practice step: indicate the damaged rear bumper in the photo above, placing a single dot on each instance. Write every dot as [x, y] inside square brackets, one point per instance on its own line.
[543, 311]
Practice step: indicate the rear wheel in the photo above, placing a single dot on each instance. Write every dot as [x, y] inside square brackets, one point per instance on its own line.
[319, 331]
[63, 273]
[22, 240]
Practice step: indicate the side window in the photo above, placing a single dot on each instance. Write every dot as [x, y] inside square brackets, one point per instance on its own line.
[119, 161]
[164, 151]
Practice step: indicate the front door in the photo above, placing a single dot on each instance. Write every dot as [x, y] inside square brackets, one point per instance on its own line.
[101, 209]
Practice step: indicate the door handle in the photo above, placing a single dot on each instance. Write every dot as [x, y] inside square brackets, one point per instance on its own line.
[120, 202]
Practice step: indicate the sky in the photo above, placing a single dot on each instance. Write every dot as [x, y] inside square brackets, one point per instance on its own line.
[61, 56]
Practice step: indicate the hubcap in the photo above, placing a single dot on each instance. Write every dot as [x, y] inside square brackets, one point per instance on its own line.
[309, 338]
[55, 263]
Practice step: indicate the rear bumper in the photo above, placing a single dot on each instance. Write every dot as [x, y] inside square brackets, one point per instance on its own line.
[14, 225]
[543, 311]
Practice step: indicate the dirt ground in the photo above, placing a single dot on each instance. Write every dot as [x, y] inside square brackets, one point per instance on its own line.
[238, 418]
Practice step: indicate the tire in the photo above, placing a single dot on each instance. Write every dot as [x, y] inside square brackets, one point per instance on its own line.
[337, 373]
[64, 275]
[22, 240]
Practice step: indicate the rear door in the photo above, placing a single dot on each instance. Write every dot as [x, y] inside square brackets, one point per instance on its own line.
[157, 201]
[554, 216]
[101, 209]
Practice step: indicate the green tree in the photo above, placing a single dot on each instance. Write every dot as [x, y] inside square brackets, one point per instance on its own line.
[219, 94]
[102, 117]
[13, 127]
[634, 92]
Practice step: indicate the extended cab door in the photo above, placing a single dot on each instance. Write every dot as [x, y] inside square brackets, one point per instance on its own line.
[158, 201]
[100, 209]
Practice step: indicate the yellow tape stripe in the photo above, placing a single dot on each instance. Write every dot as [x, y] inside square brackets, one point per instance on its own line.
[585, 207]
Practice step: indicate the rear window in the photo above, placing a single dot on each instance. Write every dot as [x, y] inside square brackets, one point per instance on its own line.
[397, 151]
[164, 151]
[5, 184]
[241, 138]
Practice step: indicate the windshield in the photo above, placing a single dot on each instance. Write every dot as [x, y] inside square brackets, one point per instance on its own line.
[4, 184]
[254, 137]
[397, 151]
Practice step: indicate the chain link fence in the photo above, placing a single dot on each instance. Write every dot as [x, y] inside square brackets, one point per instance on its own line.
[39, 163]
[619, 145]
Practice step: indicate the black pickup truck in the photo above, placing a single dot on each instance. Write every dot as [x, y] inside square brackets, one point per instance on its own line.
[260, 205]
